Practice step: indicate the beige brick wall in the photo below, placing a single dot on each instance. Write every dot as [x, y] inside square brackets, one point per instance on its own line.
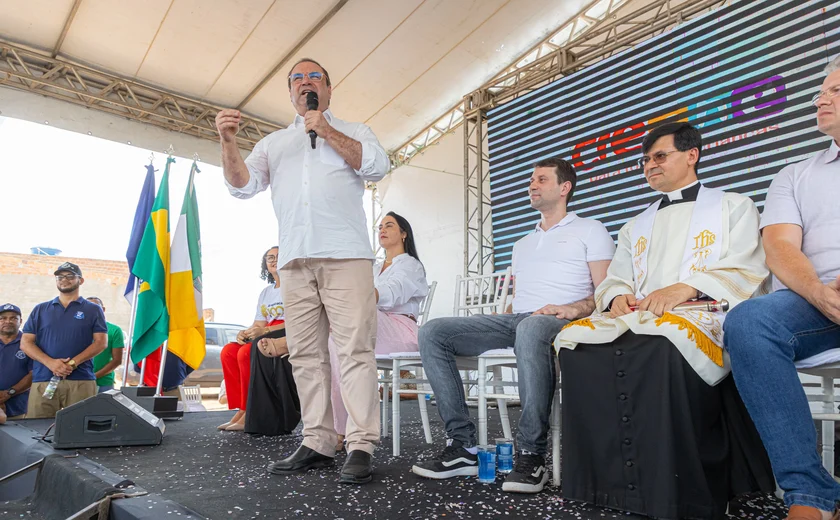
[27, 280]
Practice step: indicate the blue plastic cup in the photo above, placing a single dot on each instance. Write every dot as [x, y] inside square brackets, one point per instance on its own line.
[487, 464]
[504, 455]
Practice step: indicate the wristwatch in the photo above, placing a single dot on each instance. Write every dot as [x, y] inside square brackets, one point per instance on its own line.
[72, 363]
[11, 391]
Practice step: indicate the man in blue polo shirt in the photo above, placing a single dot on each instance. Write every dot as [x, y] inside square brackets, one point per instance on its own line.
[62, 336]
[15, 367]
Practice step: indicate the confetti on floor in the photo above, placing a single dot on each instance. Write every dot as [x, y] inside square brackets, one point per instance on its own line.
[222, 475]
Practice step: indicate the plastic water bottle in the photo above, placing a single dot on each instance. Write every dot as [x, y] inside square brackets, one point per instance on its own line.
[50, 390]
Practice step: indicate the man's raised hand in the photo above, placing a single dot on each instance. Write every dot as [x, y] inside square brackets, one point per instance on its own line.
[227, 123]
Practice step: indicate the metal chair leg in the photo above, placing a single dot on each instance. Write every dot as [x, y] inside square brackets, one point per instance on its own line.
[395, 407]
[424, 412]
[386, 389]
[498, 388]
[828, 426]
[555, 439]
[482, 401]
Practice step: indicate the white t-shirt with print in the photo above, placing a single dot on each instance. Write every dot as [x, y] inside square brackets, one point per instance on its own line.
[270, 305]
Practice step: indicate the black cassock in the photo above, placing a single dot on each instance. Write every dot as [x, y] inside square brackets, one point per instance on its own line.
[273, 404]
[642, 432]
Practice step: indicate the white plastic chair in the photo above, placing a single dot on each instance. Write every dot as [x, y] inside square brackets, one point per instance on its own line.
[826, 366]
[191, 397]
[495, 360]
[384, 363]
[483, 294]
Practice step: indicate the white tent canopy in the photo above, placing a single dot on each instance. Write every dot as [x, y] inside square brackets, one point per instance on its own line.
[396, 65]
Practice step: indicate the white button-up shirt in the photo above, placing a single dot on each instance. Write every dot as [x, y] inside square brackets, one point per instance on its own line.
[317, 196]
[402, 286]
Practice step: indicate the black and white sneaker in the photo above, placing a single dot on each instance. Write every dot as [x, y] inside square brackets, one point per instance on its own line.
[528, 476]
[454, 461]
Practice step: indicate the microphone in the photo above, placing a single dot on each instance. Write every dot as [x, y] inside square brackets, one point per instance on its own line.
[312, 104]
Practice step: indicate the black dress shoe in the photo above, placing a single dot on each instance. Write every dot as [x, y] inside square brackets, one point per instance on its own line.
[358, 468]
[301, 460]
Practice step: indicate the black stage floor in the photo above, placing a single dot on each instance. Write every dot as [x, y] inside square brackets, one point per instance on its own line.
[222, 475]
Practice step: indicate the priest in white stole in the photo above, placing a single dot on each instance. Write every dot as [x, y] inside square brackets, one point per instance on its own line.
[652, 422]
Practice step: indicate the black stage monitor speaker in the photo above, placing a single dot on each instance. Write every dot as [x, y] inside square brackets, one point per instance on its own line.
[106, 419]
[163, 406]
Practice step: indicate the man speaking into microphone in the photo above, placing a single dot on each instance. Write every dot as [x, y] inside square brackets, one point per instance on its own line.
[316, 169]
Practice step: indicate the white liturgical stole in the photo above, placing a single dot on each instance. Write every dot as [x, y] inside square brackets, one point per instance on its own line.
[703, 246]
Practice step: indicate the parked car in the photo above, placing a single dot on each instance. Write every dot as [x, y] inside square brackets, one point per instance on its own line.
[210, 371]
[209, 374]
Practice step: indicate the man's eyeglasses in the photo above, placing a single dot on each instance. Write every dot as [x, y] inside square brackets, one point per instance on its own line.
[829, 93]
[271, 259]
[297, 77]
[68, 277]
[658, 158]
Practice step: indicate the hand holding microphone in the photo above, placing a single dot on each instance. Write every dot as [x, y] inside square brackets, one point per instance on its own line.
[312, 104]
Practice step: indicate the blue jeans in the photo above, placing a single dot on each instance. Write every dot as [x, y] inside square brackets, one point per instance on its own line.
[531, 337]
[105, 388]
[764, 336]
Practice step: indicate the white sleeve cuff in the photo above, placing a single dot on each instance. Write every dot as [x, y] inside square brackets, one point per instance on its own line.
[375, 162]
[250, 189]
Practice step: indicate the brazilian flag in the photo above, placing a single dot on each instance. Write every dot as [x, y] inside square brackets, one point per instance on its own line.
[151, 320]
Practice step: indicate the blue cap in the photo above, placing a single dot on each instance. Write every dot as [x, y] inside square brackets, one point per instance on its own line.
[8, 307]
[70, 268]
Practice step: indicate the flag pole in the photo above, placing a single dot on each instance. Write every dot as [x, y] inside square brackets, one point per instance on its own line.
[130, 333]
[159, 389]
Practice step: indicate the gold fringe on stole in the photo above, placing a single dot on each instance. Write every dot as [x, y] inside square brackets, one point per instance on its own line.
[707, 346]
[583, 322]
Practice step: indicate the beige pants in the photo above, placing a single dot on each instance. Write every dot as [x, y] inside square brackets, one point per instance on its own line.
[68, 392]
[323, 295]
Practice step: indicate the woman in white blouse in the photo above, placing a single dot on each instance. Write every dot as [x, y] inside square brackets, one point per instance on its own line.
[400, 285]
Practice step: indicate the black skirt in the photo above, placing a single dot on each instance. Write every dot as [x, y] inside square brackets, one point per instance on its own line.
[273, 403]
[642, 432]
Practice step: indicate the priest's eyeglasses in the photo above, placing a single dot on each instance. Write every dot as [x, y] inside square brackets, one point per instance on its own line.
[658, 158]
[829, 93]
[297, 77]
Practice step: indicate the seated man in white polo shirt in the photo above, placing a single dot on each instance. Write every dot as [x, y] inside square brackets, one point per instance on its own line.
[555, 271]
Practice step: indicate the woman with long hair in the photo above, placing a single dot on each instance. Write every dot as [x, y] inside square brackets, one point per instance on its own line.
[400, 286]
[236, 356]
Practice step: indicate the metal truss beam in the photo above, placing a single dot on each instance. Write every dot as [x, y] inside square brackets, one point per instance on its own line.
[601, 30]
[376, 216]
[595, 33]
[34, 72]
[478, 237]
